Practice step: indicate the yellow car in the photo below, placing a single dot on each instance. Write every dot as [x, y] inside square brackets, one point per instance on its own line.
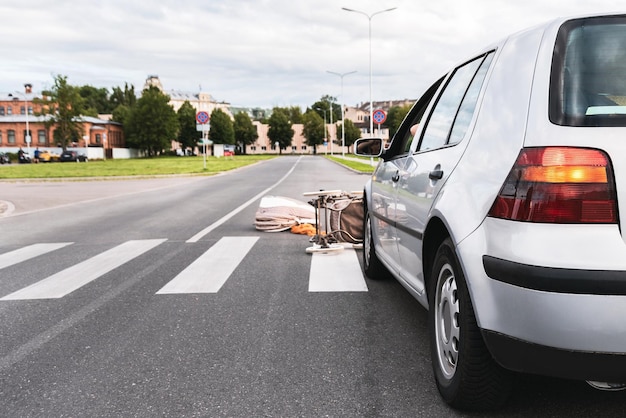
[47, 156]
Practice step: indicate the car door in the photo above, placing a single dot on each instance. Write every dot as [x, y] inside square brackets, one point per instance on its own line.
[386, 211]
[442, 142]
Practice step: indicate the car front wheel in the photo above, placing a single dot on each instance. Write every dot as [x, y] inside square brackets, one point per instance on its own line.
[374, 269]
[467, 376]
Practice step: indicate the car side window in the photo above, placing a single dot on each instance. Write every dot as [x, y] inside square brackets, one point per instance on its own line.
[406, 135]
[453, 112]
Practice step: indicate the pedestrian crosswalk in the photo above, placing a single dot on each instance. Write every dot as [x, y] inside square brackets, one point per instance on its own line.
[70, 279]
[334, 272]
[211, 270]
[26, 253]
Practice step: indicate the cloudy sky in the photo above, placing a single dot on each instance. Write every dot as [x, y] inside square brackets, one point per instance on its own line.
[258, 53]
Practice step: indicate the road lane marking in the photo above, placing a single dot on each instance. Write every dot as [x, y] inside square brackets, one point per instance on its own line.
[209, 272]
[72, 278]
[225, 218]
[336, 272]
[31, 251]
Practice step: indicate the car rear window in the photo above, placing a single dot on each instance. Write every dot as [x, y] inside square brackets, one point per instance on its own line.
[588, 79]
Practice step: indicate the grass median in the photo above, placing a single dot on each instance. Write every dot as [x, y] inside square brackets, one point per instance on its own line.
[146, 167]
[364, 167]
[138, 167]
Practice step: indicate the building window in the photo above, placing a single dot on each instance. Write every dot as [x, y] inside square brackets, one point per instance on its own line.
[304, 147]
[1, 110]
[11, 136]
[41, 136]
[9, 110]
[293, 148]
[263, 148]
[30, 110]
[22, 110]
[98, 138]
[253, 148]
[0, 137]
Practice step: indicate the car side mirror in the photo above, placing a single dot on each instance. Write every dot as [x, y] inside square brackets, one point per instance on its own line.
[368, 147]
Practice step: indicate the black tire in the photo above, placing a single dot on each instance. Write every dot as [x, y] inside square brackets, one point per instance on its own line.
[467, 376]
[372, 266]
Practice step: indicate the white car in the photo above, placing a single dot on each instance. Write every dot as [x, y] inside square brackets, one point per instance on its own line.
[504, 213]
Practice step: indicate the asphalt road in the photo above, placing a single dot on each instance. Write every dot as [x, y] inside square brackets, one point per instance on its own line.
[104, 325]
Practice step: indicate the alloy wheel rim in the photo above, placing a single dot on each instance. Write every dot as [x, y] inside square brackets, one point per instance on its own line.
[447, 328]
[367, 241]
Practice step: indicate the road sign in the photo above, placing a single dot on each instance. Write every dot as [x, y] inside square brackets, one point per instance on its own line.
[379, 116]
[202, 117]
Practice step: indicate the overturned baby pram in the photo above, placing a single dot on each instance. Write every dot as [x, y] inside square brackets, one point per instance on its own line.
[334, 218]
[338, 220]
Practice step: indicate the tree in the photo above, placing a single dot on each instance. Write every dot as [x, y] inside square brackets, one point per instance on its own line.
[352, 132]
[152, 123]
[245, 131]
[188, 135]
[295, 114]
[126, 97]
[95, 100]
[280, 128]
[314, 129]
[324, 105]
[122, 101]
[120, 114]
[221, 130]
[395, 116]
[63, 105]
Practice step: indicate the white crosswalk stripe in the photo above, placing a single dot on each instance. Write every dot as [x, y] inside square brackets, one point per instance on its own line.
[72, 278]
[26, 253]
[211, 270]
[334, 272]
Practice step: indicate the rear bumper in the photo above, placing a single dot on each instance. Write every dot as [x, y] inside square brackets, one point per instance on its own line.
[558, 280]
[550, 300]
[525, 357]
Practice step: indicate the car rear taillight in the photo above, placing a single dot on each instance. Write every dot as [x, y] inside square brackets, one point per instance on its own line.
[558, 185]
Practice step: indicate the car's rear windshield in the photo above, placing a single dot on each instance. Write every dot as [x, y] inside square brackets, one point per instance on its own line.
[588, 79]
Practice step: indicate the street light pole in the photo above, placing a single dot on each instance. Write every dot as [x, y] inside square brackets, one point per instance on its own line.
[343, 114]
[27, 137]
[331, 124]
[369, 18]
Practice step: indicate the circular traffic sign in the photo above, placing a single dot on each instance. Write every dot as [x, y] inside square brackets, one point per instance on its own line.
[202, 117]
[379, 116]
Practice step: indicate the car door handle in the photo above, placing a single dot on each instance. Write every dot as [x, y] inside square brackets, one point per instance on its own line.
[435, 175]
[396, 177]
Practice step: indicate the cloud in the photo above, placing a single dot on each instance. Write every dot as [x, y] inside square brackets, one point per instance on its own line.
[257, 52]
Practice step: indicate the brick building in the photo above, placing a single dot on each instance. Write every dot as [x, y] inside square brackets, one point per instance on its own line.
[21, 127]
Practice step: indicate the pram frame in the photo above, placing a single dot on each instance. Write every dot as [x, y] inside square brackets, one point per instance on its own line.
[327, 242]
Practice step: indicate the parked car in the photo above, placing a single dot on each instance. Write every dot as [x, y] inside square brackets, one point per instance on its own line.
[501, 214]
[4, 158]
[72, 156]
[48, 156]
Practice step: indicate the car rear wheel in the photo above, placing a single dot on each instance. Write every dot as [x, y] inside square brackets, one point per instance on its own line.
[467, 376]
[374, 269]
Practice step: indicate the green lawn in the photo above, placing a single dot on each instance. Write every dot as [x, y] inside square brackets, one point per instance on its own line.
[129, 167]
[146, 167]
[364, 167]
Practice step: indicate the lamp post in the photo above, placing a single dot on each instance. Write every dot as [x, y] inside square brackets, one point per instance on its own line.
[343, 114]
[369, 18]
[27, 137]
